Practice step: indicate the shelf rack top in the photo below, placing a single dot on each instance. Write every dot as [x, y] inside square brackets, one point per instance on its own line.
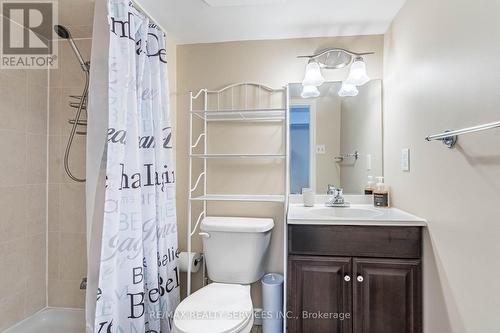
[242, 114]
[241, 197]
[237, 85]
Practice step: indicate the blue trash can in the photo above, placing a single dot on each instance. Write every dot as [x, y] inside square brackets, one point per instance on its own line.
[272, 303]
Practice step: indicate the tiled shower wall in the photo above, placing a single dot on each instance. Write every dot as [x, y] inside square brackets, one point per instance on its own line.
[66, 198]
[23, 180]
[33, 186]
[66, 208]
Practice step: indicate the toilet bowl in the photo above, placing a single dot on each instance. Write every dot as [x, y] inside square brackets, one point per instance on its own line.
[234, 249]
[216, 308]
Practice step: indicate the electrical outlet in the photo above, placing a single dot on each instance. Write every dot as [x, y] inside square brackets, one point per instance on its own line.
[320, 149]
[405, 160]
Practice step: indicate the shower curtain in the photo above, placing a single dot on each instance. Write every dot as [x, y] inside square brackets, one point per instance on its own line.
[136, 285]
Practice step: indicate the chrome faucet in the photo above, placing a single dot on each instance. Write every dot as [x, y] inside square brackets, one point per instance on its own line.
[336, 198]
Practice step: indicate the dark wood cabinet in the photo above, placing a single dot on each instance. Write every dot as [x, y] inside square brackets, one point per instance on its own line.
[387, 296]
[319, 294]
[354, 293]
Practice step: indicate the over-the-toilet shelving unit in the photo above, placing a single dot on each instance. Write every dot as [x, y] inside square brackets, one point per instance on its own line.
[241, 102]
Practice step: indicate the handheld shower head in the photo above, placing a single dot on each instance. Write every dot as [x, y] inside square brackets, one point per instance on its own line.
[64, 33]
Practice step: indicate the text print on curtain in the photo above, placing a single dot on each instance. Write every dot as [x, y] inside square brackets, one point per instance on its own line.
[138, 278]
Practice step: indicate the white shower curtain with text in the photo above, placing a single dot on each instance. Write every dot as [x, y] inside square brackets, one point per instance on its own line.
[138, 285]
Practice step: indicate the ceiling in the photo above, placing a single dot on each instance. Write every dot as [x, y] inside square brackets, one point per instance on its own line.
[195, 21]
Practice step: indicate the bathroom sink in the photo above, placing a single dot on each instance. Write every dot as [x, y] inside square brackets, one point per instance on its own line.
[356, 214]
[348, 212]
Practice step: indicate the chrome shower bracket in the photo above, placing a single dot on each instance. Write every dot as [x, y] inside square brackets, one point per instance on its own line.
[342, 157]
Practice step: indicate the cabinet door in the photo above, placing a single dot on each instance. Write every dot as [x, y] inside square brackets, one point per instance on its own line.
[387, 296]
[319, 294]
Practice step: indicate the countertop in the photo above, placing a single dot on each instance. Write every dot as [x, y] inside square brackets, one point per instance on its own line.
[322, 215]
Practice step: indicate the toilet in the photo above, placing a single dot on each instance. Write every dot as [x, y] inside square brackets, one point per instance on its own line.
[234, 250]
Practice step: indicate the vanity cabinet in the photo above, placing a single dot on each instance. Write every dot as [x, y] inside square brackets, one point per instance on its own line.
[369, 274]
[386, 295]
[316, 287]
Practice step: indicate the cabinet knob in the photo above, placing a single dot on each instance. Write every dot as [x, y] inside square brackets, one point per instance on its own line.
[360, 278]
[347, 278]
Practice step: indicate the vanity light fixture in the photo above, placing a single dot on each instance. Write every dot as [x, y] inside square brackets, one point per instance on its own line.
[348, 90]
[313, 76]
[309, 92]
[335, 58]
[357, 74]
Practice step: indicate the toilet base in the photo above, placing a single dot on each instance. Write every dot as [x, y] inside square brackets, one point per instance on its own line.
[246, 329]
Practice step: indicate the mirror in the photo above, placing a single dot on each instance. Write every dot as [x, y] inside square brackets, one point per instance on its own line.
[335, 140]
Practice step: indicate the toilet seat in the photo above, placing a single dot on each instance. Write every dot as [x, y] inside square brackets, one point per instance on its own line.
[216, 308]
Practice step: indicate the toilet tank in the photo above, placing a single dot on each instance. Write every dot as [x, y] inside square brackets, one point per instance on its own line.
[235, 248]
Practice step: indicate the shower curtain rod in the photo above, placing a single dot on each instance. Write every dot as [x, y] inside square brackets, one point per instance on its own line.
[145, 12]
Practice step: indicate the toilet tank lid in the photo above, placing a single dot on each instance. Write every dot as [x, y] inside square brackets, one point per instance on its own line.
[236, 224]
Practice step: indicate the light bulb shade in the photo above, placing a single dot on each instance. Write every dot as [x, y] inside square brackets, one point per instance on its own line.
[357, 74]
[313, 75]
[348, 90]
[309, 92]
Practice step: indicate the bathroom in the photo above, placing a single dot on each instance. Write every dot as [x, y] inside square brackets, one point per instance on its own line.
[432, 67]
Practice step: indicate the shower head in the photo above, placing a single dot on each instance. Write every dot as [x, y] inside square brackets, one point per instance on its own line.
[64, 33]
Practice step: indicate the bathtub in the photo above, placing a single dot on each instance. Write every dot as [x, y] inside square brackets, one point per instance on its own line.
[52, 320]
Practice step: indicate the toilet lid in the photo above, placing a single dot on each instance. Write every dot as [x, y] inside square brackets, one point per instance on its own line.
[216, 308]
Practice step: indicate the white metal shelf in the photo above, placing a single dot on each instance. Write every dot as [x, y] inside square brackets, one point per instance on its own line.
[273, 114]
[239, 156]
[241, 197]
[240, 110]
[240, 102]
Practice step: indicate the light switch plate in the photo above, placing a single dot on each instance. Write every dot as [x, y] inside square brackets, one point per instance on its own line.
[320, 149]
[405, 160]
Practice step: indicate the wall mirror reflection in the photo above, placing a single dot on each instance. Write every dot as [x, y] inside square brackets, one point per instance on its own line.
[335, 140]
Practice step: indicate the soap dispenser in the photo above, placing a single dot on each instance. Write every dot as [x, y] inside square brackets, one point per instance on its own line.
[381, 193]
[369, 186]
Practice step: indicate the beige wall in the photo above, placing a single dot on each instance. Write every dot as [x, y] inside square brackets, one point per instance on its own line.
[442, 72]
[273, 63]
[23, 181]
[77, 16]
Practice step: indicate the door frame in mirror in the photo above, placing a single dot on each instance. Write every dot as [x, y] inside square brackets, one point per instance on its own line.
[312, 138]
